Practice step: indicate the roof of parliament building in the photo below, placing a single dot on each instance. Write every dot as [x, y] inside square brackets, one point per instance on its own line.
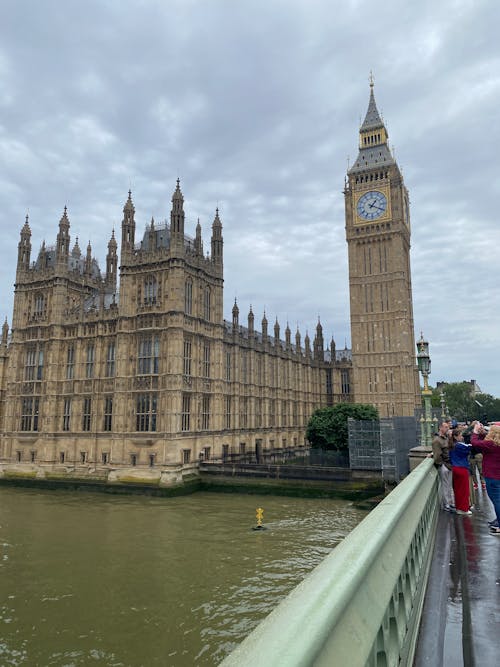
[76, 263]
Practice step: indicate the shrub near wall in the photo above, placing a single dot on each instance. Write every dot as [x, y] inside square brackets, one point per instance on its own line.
[327, 427]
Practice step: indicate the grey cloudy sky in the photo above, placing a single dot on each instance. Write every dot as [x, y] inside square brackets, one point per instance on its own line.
[256, 106]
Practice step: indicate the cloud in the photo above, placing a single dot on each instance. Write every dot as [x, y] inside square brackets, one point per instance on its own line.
[256, 107]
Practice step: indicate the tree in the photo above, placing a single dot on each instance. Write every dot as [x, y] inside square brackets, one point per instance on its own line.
[486, 407]
[327, 427]
[464, 405]
[460, 400]
[436, 397]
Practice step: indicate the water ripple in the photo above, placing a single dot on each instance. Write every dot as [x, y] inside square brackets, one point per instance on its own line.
[142, 581]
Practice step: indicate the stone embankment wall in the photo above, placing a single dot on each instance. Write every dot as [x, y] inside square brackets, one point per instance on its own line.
[175, 480]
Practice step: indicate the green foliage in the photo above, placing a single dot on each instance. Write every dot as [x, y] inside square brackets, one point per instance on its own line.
[489, 410]
[435, 398]
[327, 427]
[460, 401]
[463, 405]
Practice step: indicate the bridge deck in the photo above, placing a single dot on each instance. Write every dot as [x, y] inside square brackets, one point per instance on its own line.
[461, 613]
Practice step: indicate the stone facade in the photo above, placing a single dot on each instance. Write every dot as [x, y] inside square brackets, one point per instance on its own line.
[378, 236]
[149, 375]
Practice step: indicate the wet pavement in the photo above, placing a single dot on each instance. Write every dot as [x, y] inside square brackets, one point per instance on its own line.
[461, 616]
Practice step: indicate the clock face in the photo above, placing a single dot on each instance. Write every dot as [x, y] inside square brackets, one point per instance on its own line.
[372, 205]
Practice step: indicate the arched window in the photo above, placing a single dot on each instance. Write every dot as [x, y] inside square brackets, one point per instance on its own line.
[150, 290]
[33, 369]
[148, 355]
[39, 309]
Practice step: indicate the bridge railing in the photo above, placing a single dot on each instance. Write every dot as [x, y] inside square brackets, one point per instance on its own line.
[362, 604]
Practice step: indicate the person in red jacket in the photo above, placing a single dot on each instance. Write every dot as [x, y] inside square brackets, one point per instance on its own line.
[488, 443]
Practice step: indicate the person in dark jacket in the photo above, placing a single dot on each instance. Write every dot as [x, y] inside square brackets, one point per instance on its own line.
[440, 454]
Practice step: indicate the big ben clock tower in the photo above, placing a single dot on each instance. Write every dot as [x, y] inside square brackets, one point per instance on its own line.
[378, 238]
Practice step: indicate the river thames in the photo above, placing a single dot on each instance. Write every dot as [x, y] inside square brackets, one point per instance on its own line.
[92, 579]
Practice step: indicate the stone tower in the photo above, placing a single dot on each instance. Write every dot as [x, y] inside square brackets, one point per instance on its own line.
[378, 237]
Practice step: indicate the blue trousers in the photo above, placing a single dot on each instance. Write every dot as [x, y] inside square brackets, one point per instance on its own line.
[493, 490]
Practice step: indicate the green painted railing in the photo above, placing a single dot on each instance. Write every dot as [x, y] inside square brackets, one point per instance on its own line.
[362, 604]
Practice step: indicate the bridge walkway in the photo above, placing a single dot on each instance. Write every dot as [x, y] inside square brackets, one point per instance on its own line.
[461, 613]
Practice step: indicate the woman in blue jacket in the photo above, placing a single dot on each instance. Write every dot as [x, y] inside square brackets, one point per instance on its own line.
[459, 458]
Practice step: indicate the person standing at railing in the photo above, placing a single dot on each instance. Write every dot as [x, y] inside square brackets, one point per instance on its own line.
[459, 458]
[441, 456]
[475, 461]
[488, 443]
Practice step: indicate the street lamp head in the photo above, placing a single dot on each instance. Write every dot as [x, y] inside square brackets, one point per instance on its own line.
[423, 358]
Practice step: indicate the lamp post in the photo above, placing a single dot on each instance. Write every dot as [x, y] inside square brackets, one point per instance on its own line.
[443, 406]
[424, 366]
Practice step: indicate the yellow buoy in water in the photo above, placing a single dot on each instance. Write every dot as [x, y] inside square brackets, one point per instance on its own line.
[259, 514]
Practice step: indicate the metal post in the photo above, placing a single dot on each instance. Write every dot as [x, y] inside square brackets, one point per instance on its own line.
[427, 393]
[441, 400]
[422, 431]
[424, 366]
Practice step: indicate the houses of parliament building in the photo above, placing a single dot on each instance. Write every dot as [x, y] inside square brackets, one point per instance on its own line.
[136, 366]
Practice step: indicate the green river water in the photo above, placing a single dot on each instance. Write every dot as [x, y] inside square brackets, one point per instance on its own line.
[92, 579]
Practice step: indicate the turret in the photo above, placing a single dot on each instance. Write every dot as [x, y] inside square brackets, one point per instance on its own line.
[76, 252]
[333, 354]
[236, 314]
[88, 261]
[5, 333]
[42, 256]
[24, 248]
[151, 235]
[198, 243]
[264, 328]
[251, 322]
[217, 241]
[177, 221]
[288, 337]
[62, 243]
[112, 261]
[297, 341]
[276, 333]
[307, 346]
[319, 353]
[128, 228]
